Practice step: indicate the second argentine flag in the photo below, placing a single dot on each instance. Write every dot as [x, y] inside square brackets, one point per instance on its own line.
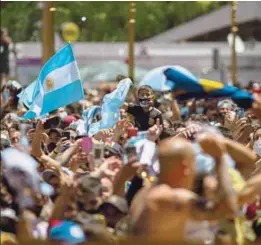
[57, 85]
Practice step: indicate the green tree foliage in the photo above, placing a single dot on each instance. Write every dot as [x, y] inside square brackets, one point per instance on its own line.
[106, 21]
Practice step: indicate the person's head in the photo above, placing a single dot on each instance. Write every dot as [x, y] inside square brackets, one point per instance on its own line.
[6, 198]
[206, 185]
[114, 209]
[89, 194]
[15, 137]
[177, 162]
[225, 106]
[178, 125]
[67, 120]
[122, 114]
[55, 135]
[167, 132]
[145, 96]
[123, 138]
[225, 132]
[51, 178]
[167, 123]
[94, 227]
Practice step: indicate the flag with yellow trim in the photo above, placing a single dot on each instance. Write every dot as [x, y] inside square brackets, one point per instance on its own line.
[188, 86]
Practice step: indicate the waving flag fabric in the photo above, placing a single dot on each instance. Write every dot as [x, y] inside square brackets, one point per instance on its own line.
[26, 95]
[188, 86]
[89, 114]
[57, 85]
[110, 110]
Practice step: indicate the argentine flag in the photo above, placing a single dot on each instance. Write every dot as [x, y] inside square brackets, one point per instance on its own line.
[25, 97]
[57, 85]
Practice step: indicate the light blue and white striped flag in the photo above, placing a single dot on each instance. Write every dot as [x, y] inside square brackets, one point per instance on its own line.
[57, 85]
[25, 97]
[110, 110]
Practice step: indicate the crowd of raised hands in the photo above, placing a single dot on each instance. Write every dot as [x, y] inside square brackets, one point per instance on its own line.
[79, 199]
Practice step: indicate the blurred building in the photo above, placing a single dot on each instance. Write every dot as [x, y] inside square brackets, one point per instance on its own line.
[216, 25]
[199, 45]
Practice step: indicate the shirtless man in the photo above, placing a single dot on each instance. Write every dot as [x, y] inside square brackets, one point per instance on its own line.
[163, 211]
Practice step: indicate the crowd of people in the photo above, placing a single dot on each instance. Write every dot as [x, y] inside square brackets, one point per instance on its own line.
[169, 170]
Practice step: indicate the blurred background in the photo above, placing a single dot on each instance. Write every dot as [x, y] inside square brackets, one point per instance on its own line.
[215, 40]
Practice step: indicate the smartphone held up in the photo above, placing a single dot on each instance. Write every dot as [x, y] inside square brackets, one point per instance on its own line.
[98, 153]
[87, 144]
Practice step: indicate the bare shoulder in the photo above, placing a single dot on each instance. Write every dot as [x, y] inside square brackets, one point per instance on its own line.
[178, 196]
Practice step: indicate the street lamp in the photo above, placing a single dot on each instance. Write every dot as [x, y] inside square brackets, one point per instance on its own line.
[48, 31]
[132, 11]
[234, 30]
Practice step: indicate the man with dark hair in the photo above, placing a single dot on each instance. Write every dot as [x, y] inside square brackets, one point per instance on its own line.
[225, 132]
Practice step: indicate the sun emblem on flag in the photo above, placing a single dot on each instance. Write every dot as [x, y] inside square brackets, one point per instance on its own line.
[49, 84]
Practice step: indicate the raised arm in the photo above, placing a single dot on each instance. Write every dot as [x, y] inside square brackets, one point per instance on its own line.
[37, 139]
[175, 110]
[244, 157]
[251, 189]
[226, 202]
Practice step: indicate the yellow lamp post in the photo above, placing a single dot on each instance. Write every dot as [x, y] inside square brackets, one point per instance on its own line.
[48, 31]
[234, 30]
[132, 11]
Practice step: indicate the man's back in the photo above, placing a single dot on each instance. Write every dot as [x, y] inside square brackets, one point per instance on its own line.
[154, 215]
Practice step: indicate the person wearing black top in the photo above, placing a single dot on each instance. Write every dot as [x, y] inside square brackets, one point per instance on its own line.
[5, 41]
[145, 114]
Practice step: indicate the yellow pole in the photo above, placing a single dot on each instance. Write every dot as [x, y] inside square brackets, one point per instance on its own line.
[48, 31]
[234, 30]
[132, 10]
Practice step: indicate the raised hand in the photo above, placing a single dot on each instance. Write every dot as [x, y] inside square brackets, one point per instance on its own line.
[242, 129]
[103, 134]
[61, 144]
[68, 186]
[78, 159]
[120, 129]
[190, 131]
[155, 131]
[211, 145]
[230, 119]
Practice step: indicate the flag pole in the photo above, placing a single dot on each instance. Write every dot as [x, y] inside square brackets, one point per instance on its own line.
[132, 11]
[48, 31]
[234, 30]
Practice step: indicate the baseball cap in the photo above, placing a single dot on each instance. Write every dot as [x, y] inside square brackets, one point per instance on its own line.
[67, 231]
[118, 202]
[68, 120]
[91, 184]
